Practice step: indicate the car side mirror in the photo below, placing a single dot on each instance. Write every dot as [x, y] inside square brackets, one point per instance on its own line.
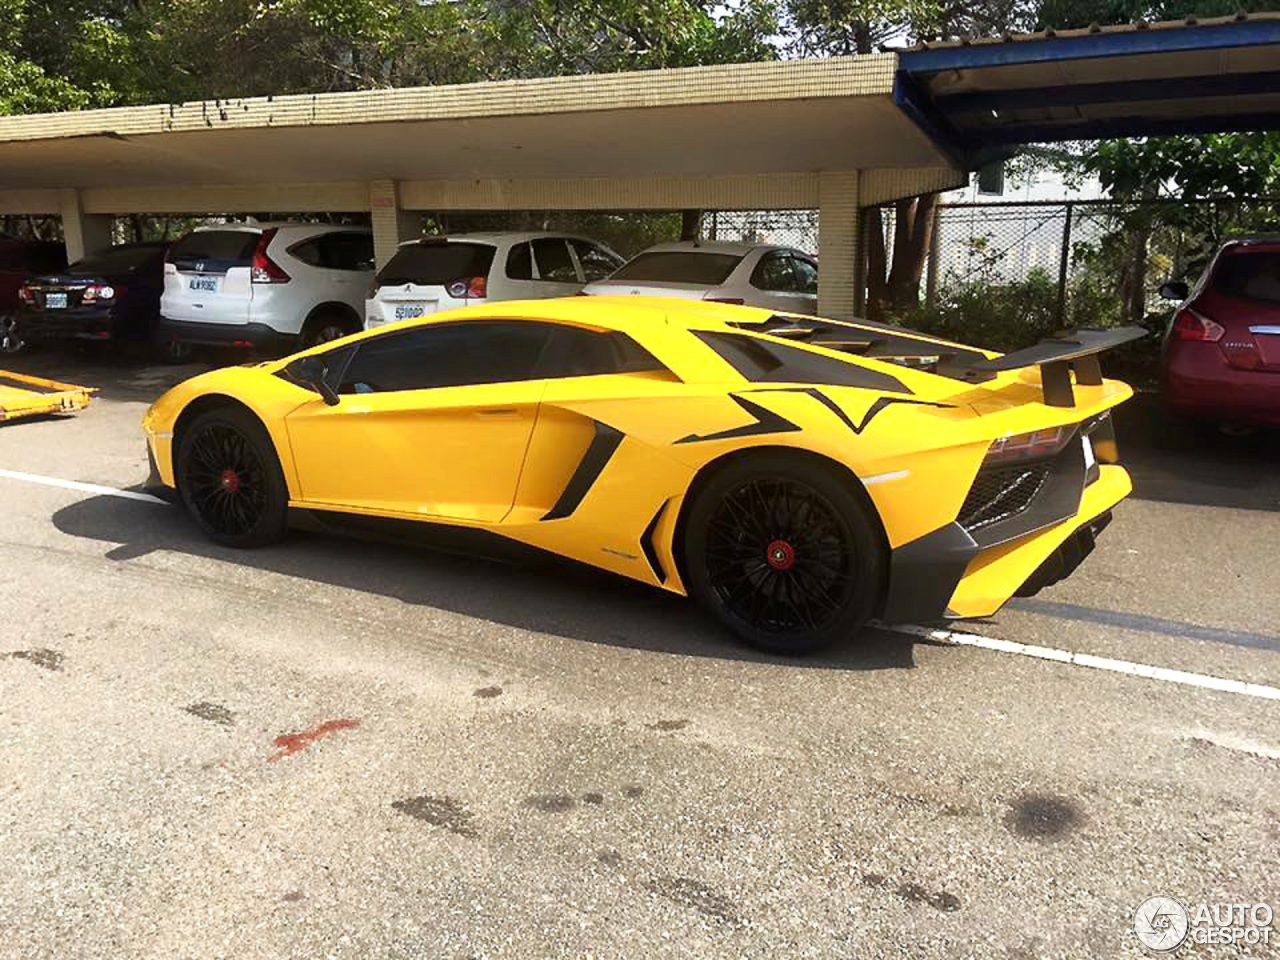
[313, 371]
[1174, 290]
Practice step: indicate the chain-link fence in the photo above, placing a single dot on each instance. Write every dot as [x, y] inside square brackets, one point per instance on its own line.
[1006, 274]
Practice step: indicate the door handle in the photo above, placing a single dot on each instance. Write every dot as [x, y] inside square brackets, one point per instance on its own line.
[495, 413]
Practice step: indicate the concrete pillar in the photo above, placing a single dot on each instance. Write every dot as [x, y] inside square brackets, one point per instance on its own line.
[83, 232]
[391, 225]
[839, 250]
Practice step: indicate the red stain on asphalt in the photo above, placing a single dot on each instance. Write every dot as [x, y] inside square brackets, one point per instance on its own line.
[291, 743]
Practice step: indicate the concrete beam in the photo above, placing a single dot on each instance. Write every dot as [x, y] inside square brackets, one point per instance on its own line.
[330, 197]
[787, 191]
[82, 232]
[33, 202]
[839, 249]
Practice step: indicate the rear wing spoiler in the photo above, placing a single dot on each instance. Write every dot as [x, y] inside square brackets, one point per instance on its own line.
[1056, 356]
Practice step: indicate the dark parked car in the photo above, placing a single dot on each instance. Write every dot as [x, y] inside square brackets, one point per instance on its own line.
[1221, 358]
[109, 296]
[19, 261]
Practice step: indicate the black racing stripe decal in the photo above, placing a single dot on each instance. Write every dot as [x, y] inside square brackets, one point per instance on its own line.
[875, 408]
[766, 421]
[593, 462]
[647, 544]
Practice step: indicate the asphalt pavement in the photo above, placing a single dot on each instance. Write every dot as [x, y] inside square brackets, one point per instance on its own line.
[331, 748]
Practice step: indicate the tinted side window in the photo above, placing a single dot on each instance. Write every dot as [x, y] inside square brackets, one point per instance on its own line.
[596, 262]
[585, 353]
[552, 257]
[346, 251]
[447, 355]
[773, 272]
[806, 274]
[308, 252]
[520, 262]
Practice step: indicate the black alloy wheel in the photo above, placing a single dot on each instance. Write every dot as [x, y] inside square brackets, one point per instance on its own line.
[785, 557]
[230, 479]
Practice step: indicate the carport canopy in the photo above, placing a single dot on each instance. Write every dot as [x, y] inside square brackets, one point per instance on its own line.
[835, 135]
[978, 99]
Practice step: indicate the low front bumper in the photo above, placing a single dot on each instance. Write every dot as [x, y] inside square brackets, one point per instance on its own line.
[46, 326]
[155, 484]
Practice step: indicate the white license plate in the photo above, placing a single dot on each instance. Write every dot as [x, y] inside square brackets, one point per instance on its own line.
[55, 301]
[205, 284]
[407, 311]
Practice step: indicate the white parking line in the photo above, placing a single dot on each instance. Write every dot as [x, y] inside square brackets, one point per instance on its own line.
[1202, 680]
[77, 485]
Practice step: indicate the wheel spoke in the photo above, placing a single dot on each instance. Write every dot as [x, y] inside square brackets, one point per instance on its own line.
[778, 556]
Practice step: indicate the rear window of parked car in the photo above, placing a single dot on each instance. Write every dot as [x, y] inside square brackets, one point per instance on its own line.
[437, 264]
[1252, 276]
[114, 260]
[216, 246]
[706, 269]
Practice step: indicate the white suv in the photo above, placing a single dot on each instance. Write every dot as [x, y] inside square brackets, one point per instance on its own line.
[439, 273]
[267, 285]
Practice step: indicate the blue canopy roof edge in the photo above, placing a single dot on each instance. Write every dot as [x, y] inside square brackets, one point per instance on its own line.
[1169, 36]
[978, 122]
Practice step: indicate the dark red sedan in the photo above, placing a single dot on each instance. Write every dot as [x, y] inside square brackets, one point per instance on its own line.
[1221, 358]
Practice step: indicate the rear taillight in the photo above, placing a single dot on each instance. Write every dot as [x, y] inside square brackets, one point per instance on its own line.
[475, 288]
[1029, 446]
[100, 291]
[266, 270]
[1190, 325]
[26, 295]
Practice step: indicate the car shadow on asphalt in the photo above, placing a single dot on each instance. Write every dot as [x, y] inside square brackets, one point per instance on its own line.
[510, 584]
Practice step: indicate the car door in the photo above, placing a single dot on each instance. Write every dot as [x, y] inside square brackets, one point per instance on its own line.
[346, 262]
[774, 283]
[433, 421]
[806, 273]
[554, 269]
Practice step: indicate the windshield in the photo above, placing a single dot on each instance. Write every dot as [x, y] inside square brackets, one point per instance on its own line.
[679, 266]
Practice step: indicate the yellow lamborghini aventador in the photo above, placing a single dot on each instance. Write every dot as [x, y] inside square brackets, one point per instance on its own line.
[798, 476]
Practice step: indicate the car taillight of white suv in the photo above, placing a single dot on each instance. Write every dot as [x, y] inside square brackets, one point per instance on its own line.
[270, 286]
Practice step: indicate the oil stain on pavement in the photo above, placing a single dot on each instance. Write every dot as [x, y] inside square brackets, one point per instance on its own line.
[913, 892]
[440, 812]
[693, 893]
[488, 693]
[213, 712]
[550, 802]
[666, 726]
[43, 658]
[1043, 817]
